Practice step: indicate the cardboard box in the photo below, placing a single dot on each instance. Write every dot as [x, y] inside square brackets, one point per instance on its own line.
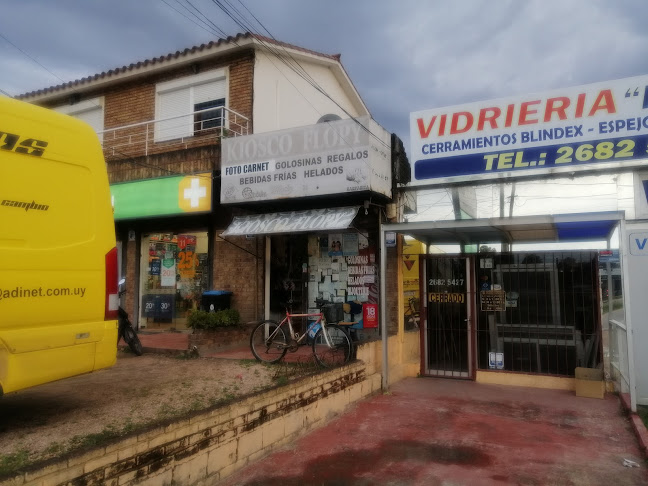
[589, 383]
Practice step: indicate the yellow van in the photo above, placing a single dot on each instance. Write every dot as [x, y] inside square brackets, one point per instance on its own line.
[58, 260]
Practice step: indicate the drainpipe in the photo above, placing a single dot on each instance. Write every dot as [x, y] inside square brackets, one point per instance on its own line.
[266, 301]
[383, 306]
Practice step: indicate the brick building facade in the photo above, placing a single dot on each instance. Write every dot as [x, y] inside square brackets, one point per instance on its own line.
[128, 107]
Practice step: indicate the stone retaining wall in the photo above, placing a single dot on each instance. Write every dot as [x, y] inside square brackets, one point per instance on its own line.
[213, 444]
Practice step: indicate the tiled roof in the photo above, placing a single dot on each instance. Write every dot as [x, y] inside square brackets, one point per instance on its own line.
[170, 57]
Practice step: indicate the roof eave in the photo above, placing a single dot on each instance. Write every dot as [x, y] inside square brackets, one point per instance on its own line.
[138, 70]
[194, 55]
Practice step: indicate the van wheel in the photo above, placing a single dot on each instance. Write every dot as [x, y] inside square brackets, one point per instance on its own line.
[133, 341]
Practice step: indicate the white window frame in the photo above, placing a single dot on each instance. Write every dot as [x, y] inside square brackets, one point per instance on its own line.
[187, 83]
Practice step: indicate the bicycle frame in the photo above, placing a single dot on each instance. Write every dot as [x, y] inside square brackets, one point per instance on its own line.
[320, 320]
[332, 346]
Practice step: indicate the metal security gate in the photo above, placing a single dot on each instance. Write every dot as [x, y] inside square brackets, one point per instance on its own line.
[447, 337]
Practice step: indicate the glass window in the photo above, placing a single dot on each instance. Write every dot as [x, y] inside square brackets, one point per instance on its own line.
[177, 100]
[205, 118]
[174, 273]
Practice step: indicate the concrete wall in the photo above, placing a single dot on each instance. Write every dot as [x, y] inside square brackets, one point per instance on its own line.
[282, 99]
[214, 444]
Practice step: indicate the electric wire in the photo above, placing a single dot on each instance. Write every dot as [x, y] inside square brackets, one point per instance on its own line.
[127, 158]
[30, 57]
[294, 65]
[301, 72]
[201, 25]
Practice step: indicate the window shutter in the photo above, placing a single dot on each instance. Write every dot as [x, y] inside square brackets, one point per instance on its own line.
[173, 104]
[89, 111]
[213, 90]
[94, 118]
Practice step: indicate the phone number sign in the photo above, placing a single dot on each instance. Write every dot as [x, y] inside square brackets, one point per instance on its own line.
[592, 127]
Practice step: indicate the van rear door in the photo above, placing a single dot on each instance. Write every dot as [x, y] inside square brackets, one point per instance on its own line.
[56, 230]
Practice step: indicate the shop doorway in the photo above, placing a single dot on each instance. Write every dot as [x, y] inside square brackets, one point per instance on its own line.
[288, 274]
[447, 327]
[535, 313]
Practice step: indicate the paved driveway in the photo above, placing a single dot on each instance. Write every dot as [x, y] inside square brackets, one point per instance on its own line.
[445, 432]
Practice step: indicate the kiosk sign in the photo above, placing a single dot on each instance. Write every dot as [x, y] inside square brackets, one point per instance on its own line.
[591, 127]
[343, 156]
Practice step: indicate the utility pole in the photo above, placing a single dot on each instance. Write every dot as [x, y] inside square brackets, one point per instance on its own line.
[505, 246]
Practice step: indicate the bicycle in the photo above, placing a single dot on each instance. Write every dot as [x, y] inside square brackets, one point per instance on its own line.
[125, 329]
[332, 345]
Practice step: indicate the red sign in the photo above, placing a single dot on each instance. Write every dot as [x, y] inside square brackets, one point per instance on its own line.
[182, 242]
[369, 315]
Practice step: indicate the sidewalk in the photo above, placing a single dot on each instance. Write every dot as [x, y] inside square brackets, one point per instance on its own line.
[433, 431]
[163, 342]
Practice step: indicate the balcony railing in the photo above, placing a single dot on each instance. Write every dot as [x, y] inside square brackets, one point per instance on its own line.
[195, 129]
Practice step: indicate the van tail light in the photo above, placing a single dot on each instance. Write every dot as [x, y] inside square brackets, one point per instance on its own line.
[112, 286]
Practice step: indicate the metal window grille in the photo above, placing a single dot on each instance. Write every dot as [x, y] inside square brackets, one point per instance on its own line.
[551, 321]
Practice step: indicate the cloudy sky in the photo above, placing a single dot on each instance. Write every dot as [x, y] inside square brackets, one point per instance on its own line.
[403, 56]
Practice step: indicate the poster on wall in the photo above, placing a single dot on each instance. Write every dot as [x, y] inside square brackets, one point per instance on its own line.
[186, 242]
[158, 306]
[361, 278]
[350, 244]
[313, 246]
[168, 273]
[155, 266]
[335, 244]
[363, 242]
[324, 248]
[187, 264]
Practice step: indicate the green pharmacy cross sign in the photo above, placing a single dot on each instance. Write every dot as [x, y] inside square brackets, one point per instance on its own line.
[162, 197]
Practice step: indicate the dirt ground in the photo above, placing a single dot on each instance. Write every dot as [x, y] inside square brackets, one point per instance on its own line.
[51, 419]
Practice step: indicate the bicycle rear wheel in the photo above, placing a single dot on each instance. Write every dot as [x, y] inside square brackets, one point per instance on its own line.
[268, 342]
[334, 351]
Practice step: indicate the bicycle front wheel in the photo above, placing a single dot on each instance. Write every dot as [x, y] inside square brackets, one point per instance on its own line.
[333, 348]
[268, 342]
[130, 336]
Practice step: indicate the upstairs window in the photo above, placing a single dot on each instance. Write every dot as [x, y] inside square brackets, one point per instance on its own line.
[178, 101]
[90, 111]
[204, 118]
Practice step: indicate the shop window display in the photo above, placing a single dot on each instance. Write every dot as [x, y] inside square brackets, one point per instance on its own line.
[174, 274]
[342, 268]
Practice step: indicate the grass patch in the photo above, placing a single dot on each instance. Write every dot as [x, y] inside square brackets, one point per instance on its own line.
[282, 380]
[11, 463]
[93, 440]
[189, 354]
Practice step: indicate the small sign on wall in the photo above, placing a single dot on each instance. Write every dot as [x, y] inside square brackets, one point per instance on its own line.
[390, 239]
[369, 315]
[638, 244]
[493, 300]
[495, 361]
